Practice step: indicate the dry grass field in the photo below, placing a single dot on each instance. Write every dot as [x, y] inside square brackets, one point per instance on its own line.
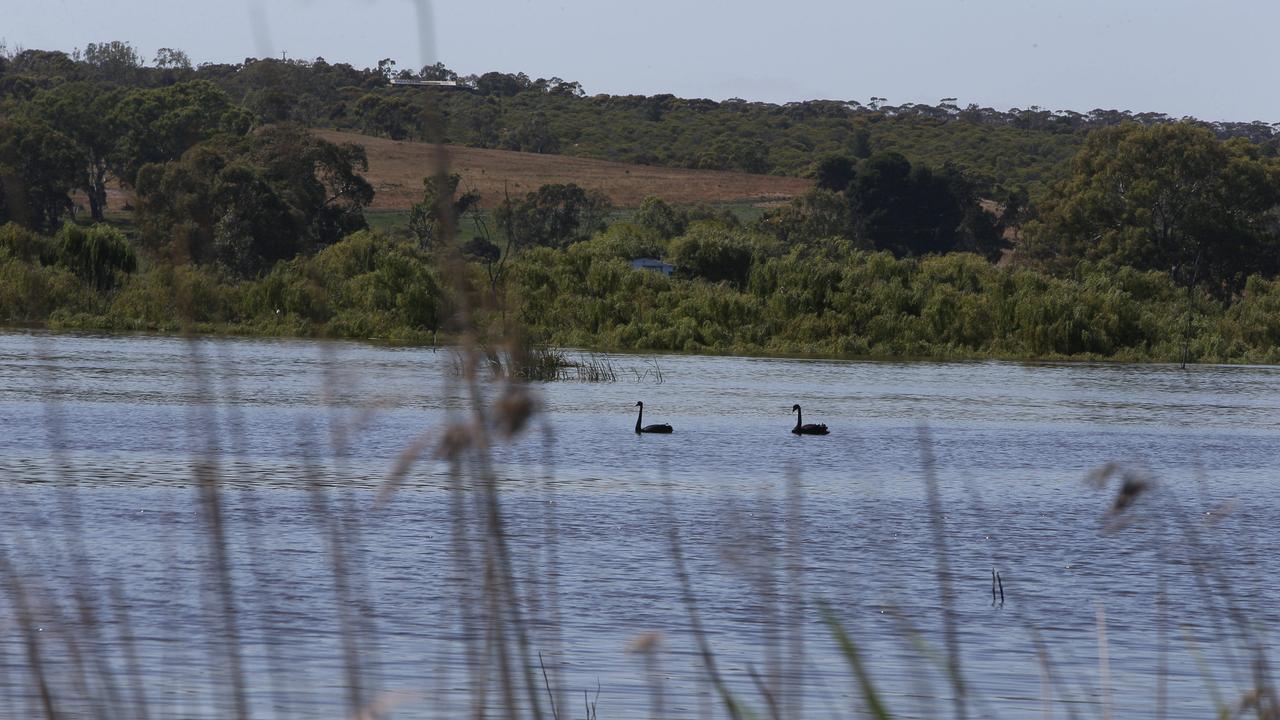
[396, 170]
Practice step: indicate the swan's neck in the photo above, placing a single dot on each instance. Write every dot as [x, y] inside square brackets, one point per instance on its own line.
[797, 418]
[638, 416]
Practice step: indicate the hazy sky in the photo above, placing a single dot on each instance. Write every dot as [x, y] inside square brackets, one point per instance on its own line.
[1215, 60]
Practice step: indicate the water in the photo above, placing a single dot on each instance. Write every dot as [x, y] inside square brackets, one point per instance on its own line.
[101, 439]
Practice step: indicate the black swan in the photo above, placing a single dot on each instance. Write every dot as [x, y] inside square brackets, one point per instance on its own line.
[662, 428]
[810, 429]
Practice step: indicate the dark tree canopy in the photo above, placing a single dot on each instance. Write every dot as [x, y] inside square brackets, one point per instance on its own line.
[912, 210]
[159, 125]
[887, 203]
[249, 202]
[553, 216]
[834, 172]
[39, 166]
[84, 112]
[1166, 197]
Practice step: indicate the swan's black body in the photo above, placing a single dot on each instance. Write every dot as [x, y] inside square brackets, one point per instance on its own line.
[661, 428]
[810, 429]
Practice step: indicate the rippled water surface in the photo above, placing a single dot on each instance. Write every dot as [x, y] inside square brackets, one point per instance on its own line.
[102, 440]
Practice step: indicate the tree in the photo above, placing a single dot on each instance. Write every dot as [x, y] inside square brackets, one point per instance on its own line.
[912, 210]
[170, 59]
[979, 231]
[51, 64]
[817, 215]
[160, 125]
[715, 253]
[114, 61]
[655, 214]
[437, 71]
[533, 135]
[321, 180]
[440, 203]
[900, 208]
[553, 216]
[392, 117]
[1165, 197]
[98, 254]
[502, 84]
[834, 172]
[39, 167]
[247, 203]
[255, 227]
[84, 111]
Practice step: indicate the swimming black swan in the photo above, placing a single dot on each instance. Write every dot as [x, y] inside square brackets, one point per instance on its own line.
[810, 429]
[649, 428]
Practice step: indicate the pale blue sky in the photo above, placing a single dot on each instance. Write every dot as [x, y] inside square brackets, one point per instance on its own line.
[1214, 60]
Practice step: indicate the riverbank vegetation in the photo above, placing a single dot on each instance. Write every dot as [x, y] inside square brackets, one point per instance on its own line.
[828, 299]
[1113, 235]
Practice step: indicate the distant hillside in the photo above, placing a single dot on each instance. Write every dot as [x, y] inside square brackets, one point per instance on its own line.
[1007, 153]
[396, 170]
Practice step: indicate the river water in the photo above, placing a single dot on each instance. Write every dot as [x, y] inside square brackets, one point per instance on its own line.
[111, 574]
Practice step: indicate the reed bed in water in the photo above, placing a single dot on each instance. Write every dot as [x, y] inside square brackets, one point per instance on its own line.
[542, 364]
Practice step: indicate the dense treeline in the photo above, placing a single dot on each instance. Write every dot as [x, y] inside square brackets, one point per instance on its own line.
[828, 298]
[1007, 151]
[1143, 238]
[840, 301]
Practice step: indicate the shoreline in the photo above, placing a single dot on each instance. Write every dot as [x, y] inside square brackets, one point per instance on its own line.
[450, 342]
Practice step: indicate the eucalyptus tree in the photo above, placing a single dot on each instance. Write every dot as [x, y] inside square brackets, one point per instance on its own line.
[1165, 197]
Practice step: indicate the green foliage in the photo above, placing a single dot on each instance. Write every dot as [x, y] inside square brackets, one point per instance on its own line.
[834, 173]
[113, 61]
[887, 203]
[248, 203]
[159, 125]
[812, 217]
[368, 285]
[911, 210]
[171, 59]
[716, 253]
[33, 293]
[1169, 197]
[553, 216]
[847, 302]
[532, 134]
[83, 111]
[656, 215]
[626, 241]
[826, 298]
[99, 255]
[391, 117]
[39, 166]
[18, 242]
[1159, 235]
[36, 282]
[174, 297]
